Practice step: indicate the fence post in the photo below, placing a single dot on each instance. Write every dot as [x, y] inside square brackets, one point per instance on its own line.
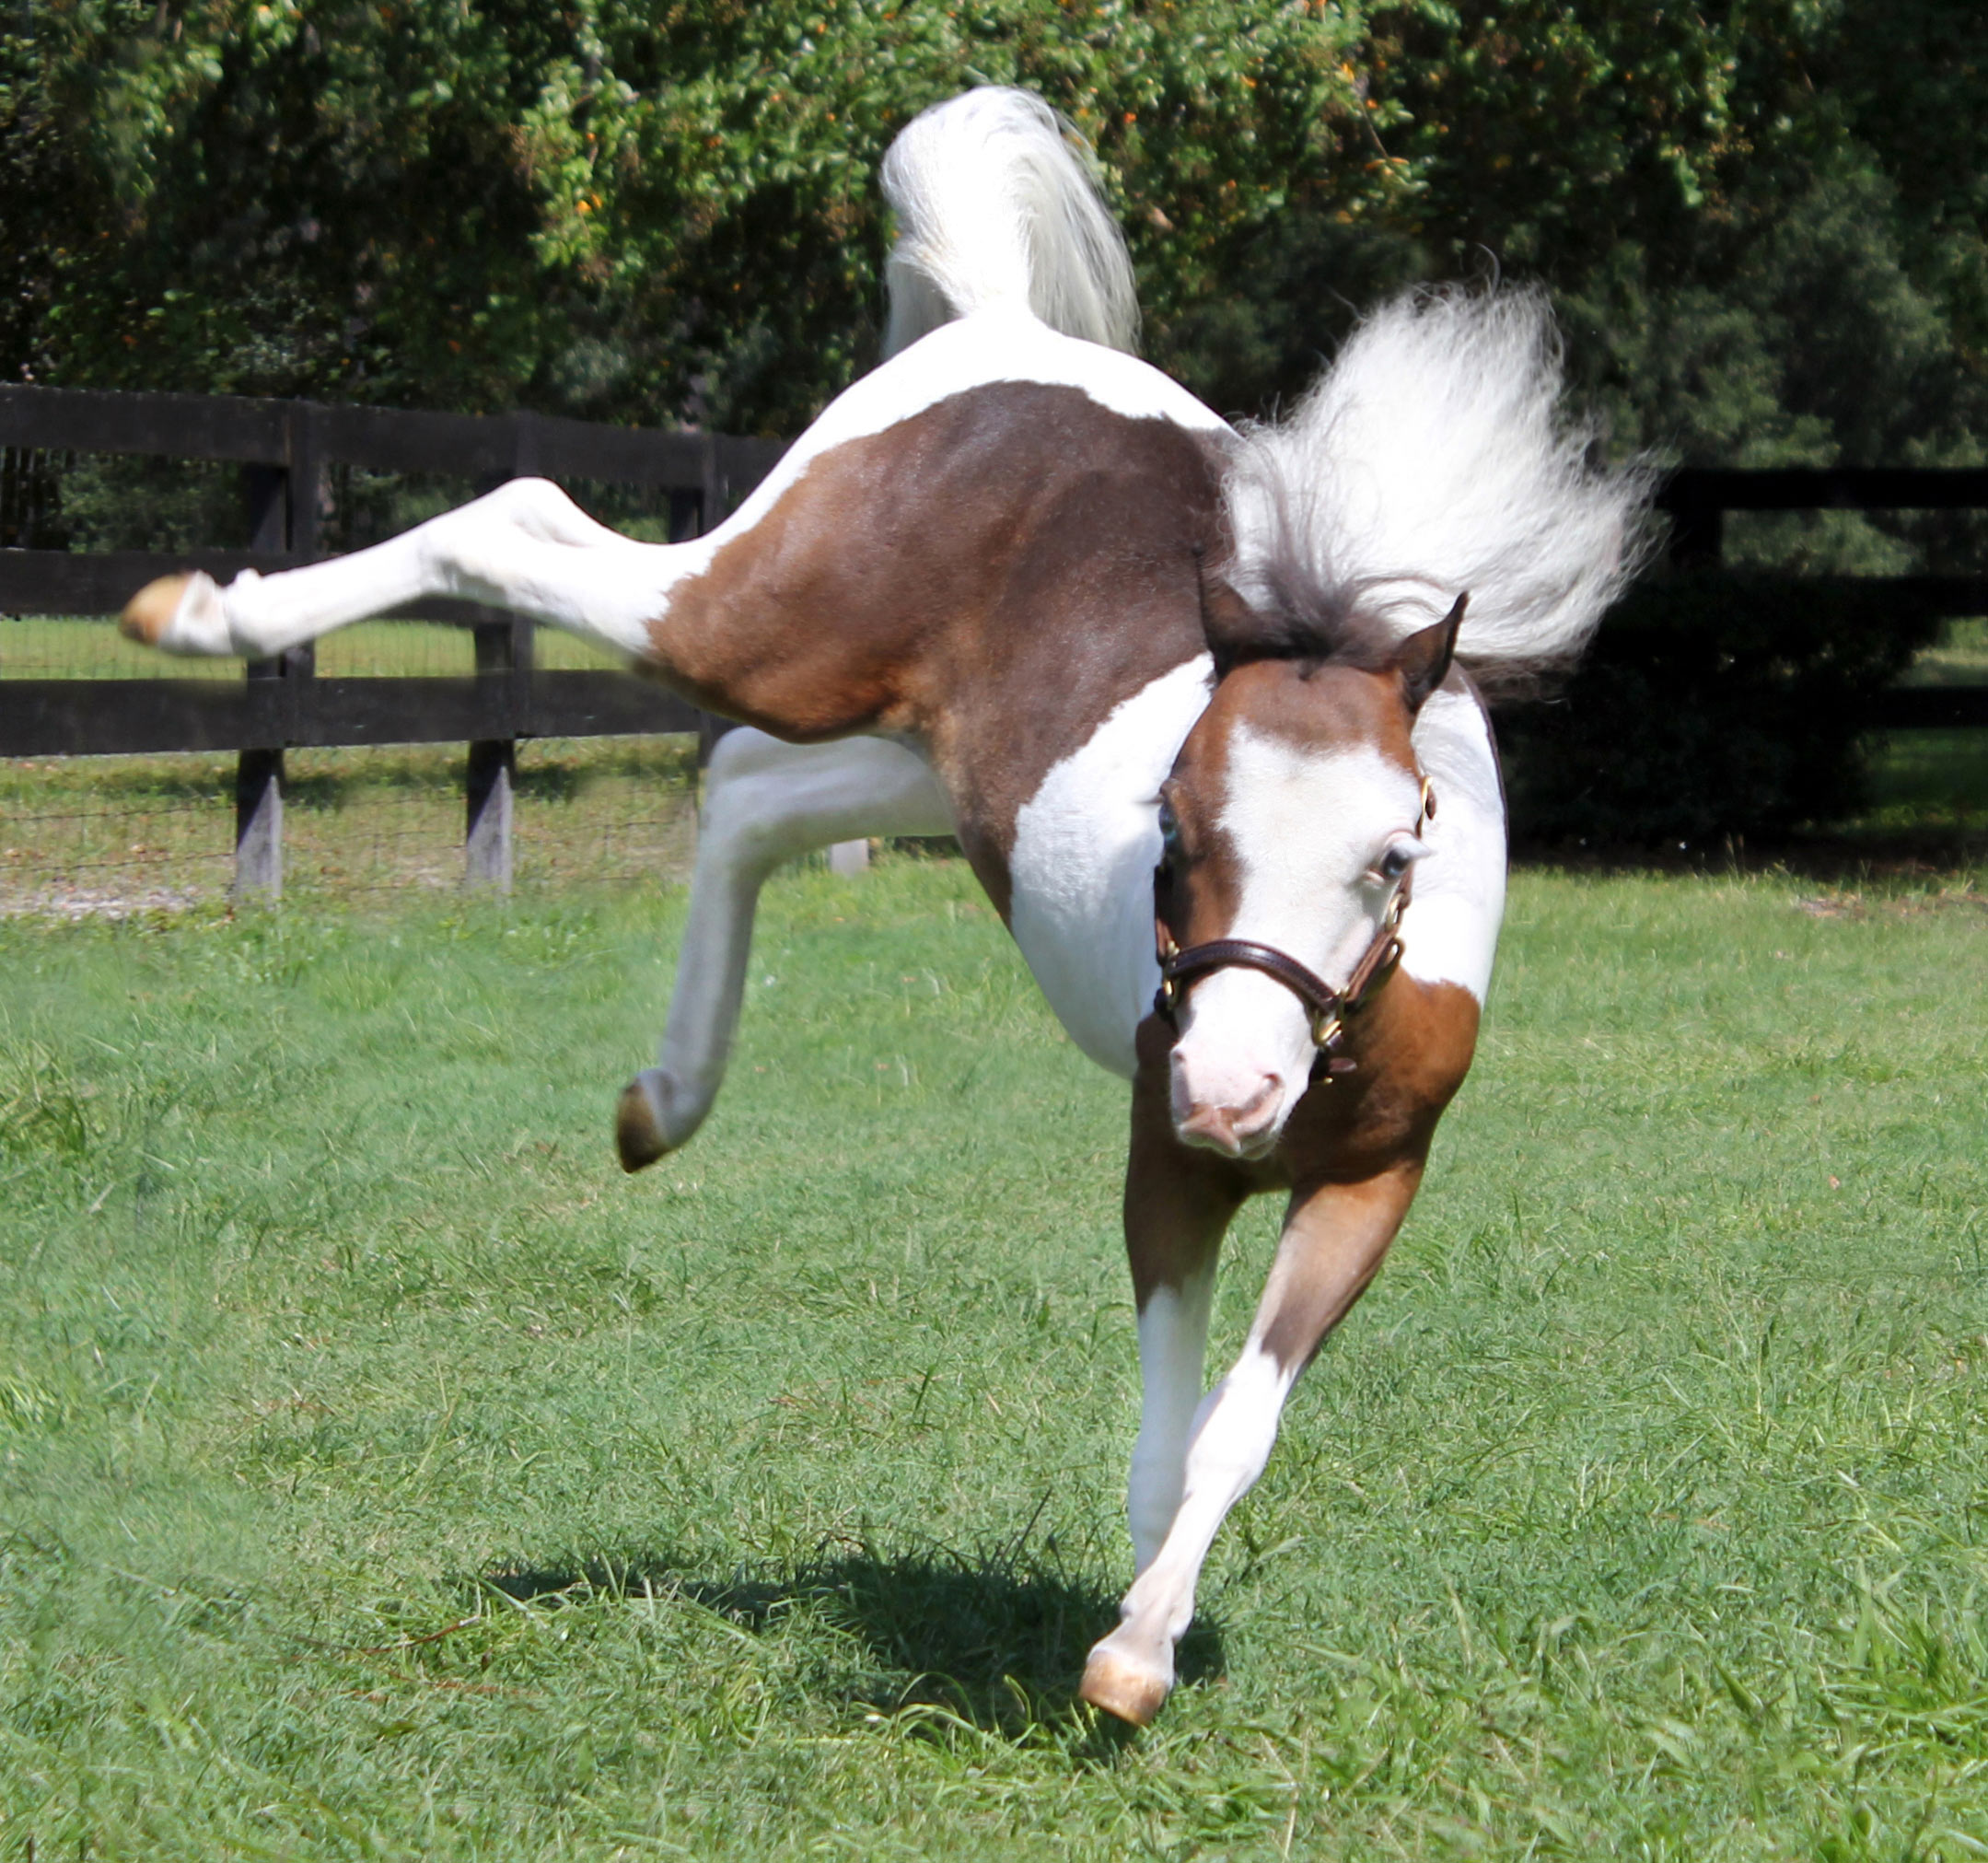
[283, 517]
[503, 652]
[1697, 535]
[259, 824]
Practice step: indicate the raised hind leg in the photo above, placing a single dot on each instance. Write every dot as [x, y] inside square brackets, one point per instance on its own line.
[764, 802]
[526, 547]
[1334, 1238]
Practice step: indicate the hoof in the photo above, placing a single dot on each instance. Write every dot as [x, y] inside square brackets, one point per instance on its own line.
[149, 612]
[656, 1115]
[638, 1128]
[1131, 1692]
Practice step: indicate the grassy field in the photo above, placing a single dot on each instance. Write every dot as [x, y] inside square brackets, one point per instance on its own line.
[384, 1475]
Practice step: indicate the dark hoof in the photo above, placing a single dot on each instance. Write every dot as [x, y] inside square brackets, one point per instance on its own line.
[638, 1132]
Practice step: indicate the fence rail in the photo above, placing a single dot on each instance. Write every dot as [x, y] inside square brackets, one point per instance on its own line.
[1697, 498]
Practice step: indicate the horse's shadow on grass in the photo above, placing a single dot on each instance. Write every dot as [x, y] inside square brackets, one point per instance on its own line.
[996, 1639]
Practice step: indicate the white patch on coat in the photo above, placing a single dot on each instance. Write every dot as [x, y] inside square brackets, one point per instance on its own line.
[1305, 826]
[1081, 870]
[1233, 1433]
[1449, 933]
[1174, 1339]
[765, 801]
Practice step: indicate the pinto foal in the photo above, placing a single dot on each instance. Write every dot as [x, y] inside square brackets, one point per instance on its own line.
[1187, 698]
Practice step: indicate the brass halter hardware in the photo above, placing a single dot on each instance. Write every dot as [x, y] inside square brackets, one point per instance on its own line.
[1325, 1008]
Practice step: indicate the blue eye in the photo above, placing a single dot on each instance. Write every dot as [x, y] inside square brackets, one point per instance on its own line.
[1394, 863]
[1170, 829]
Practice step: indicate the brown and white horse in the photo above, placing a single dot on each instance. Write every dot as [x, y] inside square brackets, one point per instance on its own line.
[1193, 701]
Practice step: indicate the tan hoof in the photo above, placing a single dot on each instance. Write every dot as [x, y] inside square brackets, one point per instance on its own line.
[638, 1133]
[149, 612]
[1118, 1688]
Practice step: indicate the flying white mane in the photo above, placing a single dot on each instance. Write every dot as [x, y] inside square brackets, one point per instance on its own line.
[996, 200]
[1434, 459]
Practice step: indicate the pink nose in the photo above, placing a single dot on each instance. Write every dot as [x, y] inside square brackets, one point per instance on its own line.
[1222, 1126]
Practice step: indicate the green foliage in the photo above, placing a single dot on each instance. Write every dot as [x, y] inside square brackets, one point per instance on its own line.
[1763, 225]
[382, 1474]
[659, 212]
[649, 212]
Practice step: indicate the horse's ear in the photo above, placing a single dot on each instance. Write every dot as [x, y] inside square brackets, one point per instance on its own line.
[1423, 658]
[1234, 629]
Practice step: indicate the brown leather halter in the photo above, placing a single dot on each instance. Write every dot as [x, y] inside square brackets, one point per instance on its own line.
[1326, 1008]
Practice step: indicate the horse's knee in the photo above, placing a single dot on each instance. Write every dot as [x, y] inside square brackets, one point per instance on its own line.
[523, 500]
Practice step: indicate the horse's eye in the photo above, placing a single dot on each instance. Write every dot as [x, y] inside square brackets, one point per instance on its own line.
[1170, 829]
[1396, 861]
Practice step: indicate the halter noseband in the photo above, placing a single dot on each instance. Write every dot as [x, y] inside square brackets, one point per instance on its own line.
[1326, 1008]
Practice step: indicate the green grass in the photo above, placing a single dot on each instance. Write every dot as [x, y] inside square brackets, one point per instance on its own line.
[382, 1474]
[75, 647]
[109, 836]
[1960, 658]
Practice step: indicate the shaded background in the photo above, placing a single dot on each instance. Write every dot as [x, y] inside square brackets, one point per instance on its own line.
[1761, 222]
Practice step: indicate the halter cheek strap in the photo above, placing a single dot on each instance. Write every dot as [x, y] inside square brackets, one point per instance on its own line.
[1326, 1008]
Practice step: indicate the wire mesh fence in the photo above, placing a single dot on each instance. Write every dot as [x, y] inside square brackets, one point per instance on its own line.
[113, 836]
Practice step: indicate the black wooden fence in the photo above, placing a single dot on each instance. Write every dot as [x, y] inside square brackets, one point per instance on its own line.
[1698, 499]
[283, 448]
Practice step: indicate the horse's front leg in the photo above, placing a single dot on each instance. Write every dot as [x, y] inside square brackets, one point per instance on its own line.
[1177, 1205]
[1334, 1238]
[764, 801]
[526, 547]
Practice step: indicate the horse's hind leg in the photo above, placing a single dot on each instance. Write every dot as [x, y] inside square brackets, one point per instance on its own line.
[764, 802]
[1332, 1244]
[525, 546]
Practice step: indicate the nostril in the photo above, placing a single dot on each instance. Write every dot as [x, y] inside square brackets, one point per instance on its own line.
[1262, 1106]
[1229, 1117]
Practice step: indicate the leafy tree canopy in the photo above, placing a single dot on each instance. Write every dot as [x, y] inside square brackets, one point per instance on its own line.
[1763, 218]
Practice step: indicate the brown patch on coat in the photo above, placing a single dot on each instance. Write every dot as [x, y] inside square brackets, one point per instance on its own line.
[1179, 1199]
[1333, 1242]
[988, 578]
[1351, 1155]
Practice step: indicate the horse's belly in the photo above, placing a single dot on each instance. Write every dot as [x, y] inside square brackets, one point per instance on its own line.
[1081, 869]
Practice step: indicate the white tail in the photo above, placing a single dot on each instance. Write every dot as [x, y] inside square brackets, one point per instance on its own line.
[1433, 459]
[995, 200]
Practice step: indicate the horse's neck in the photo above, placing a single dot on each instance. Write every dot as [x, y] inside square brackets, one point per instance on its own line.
[1449, 933]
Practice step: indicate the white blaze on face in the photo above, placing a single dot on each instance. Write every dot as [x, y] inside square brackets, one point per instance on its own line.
[1304, 827]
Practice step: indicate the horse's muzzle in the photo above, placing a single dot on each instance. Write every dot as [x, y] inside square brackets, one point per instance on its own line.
[1244, 1125]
